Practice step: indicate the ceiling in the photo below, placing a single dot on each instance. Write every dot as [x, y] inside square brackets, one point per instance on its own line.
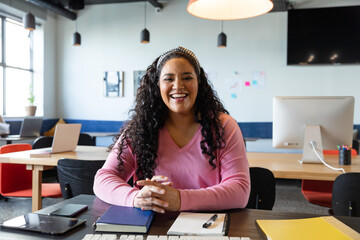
[61, 7]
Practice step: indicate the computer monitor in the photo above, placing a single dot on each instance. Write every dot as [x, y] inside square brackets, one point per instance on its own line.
[325, 121]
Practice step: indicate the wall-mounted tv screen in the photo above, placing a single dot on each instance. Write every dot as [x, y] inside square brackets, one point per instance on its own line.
[324, 36]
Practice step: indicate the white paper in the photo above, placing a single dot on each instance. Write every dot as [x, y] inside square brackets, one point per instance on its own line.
[191, 224]
[258, 79]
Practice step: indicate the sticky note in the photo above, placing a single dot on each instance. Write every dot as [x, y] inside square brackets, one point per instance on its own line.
[247, 84]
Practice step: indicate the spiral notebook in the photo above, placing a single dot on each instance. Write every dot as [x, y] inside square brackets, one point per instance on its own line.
[192, 224]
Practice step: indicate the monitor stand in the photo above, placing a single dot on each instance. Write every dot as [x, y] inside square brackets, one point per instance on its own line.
[312, 133]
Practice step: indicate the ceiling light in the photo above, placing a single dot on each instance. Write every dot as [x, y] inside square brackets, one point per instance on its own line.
[29, 21]
[228, 9]
[76, 36]
[145, 34]
[221, 37]
[76, 39]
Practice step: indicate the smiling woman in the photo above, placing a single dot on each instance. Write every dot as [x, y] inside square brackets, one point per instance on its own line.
[180, 145]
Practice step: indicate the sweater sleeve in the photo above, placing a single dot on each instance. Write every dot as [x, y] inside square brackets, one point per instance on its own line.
[111, 186]
[234, 187]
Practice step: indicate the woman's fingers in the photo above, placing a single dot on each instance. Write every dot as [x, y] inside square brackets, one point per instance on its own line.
[147, 200]
[147, 183]
[151, 201]
[159, 178]
[153, 208]
[167, 183]
[150, 190]
[155, 180]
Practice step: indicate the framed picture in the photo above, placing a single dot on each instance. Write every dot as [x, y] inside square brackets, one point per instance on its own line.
[138, 74]
[113, 84]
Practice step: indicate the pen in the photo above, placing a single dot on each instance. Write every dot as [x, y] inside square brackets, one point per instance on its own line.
[210, 221]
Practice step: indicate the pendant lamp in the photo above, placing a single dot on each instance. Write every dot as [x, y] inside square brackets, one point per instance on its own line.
[221, 37]
[228, 9]
[222, 40]
[76, 37]
[29, 21]
[145, 34]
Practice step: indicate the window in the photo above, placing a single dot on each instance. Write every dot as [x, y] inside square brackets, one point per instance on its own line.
[16, 67]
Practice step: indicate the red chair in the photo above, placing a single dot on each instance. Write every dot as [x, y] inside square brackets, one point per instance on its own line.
[16, 181]
[319, 192]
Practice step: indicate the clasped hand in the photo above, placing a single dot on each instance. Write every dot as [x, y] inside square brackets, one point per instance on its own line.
[157, 195]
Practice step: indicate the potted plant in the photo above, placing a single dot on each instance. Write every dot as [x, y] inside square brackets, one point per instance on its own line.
[30, 110]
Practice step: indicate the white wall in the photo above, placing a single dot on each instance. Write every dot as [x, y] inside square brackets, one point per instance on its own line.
[111, 41]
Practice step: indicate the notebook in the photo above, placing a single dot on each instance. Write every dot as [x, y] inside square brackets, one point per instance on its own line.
[124, 219]
[30, 127]
[328, 228]
[192, 224]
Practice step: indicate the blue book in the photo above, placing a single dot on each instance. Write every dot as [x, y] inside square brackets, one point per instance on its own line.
[124, 219]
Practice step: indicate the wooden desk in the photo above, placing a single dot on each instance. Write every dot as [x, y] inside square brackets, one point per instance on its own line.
[242, 221]
[37, 165]
[286, 165]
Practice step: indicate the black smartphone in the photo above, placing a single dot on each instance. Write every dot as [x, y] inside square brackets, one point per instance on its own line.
[69, 210]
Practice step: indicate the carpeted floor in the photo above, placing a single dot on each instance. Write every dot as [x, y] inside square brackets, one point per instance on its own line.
[288, 199]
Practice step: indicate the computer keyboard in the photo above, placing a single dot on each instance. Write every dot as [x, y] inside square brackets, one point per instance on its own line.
[156, 237]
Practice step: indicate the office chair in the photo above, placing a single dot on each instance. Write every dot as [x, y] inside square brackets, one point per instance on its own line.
[45, 142]
[42, 142]
[346, 195]
[262, 194]
[86, 140]
[16, 181]
[77, 176]
[319, 192]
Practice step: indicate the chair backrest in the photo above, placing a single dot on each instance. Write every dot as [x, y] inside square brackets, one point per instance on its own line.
[42, 142]
[77, 176]
[262, 194]
[16, 147]
[14, 176]
[86, 140]
[346, 195]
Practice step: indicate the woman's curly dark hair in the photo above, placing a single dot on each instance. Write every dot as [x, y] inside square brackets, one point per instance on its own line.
[141, 132]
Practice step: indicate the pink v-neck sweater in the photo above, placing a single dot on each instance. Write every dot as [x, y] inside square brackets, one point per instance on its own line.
[201, 187]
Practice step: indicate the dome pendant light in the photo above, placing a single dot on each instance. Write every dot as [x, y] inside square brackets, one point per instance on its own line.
[228, 9]
[145, 34]
[76, 37]
[221, 37]
[29, 20]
